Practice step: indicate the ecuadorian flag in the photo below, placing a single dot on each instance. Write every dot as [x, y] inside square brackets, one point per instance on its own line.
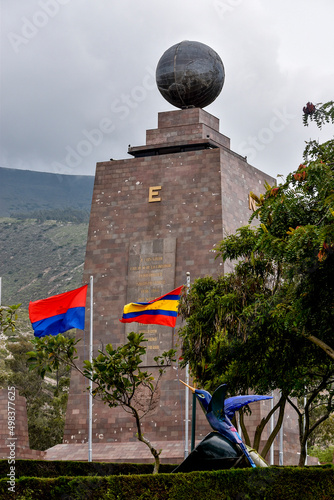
[59, 313]
[160, 311]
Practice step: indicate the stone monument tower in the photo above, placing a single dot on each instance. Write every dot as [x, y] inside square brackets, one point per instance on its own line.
[154, 217]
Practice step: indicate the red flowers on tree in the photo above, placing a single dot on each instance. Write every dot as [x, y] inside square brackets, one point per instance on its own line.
[302, 174]
[309, 109]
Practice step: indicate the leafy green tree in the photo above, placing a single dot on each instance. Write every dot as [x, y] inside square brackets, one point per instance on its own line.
[217, 343]
[8, 317]
[324, 435]
[321, 444]
[116, 373]
[251, 329]
[230, 337]
[297, 229]
[323, 455]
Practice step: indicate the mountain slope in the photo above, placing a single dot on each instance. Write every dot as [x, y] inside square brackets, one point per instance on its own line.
[42, 255]
[40, 259]
[26, 191]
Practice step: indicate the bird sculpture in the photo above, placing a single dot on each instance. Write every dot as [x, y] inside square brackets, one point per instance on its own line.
[219, 411]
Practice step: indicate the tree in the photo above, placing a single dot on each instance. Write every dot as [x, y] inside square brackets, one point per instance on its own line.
[116, 373]
[324, 435]
[253, 328]
[8, 317]
[321, 444]
[297, 229]
[230, 337]
[217, 343]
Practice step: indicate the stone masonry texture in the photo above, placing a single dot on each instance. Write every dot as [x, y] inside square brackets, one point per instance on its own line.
[14, 439]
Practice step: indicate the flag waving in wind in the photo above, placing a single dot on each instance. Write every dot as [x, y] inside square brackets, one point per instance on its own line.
[160, 311]
[59, 313]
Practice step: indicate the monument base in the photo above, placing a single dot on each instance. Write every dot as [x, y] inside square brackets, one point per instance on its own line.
[132, 452]
[137, 452]
[14, 440]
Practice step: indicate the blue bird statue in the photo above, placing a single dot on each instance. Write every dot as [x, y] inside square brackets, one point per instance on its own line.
[219, 411]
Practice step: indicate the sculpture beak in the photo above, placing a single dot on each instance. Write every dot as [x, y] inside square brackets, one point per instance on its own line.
[189, 387]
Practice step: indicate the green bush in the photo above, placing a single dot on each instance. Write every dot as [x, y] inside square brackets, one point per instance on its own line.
[274, 483]
[325, 456]
[56, 468]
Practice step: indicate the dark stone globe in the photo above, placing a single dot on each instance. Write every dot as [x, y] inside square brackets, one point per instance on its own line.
[190, 74]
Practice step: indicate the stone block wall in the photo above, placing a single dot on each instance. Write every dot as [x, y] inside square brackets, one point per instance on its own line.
[14, 441]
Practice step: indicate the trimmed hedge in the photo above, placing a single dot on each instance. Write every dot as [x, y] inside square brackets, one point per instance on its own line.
[56, 468]
[272, 483]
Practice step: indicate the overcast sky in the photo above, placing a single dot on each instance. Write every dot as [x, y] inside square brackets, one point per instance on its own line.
[78, 76]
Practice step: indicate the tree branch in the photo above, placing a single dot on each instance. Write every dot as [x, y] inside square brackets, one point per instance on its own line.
[325, 347]
[263, 423]
[243, 428]
[277, 427]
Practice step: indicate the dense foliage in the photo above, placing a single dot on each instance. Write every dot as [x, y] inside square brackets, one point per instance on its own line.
[269, 324]
[55, 468]
[324, 455]
[276, 483]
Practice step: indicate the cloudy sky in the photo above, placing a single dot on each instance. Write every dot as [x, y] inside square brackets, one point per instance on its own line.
[70, 66]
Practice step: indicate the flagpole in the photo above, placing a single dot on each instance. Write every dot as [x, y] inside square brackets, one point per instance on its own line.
[281, 435]
[90, 415]
[186, 438]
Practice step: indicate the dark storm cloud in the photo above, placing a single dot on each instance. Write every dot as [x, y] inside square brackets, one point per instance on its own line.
[78, 76]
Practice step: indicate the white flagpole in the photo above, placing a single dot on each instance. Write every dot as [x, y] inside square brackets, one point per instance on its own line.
[186, 445]
[186, 437]
[281, 436]
[90, 416]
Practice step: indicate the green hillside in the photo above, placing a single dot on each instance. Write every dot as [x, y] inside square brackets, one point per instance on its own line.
[43, 233]
[40, 259]
[24, 191]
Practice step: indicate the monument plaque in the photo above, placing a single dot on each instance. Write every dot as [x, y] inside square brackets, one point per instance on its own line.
[151, 274]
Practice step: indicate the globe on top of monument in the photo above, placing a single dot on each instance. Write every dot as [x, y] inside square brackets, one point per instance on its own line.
[190, 74]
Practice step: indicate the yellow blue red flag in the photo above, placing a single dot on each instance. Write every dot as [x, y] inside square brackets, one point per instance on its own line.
[160, 311]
